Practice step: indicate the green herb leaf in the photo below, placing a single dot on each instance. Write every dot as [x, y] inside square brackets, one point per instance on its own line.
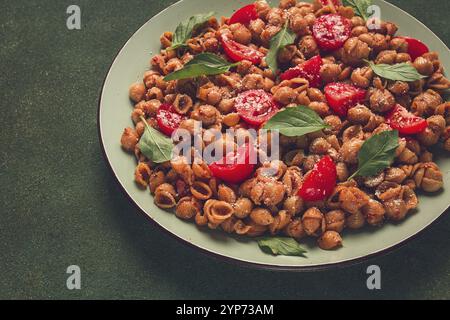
[282, 39]
[154, 145]
[397, 72]
[210, 60]
[186, 28]
[280, 246]
[377, 153]
[203, 64]
[296, 122]
[360, 7]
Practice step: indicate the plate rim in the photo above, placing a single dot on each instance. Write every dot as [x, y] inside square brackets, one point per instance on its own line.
[233, 260]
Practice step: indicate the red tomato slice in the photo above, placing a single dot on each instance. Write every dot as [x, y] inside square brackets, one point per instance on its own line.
[335, 2]
[238, 52]
[310, 70]
[255, 106]
[405, 122]
[236, 167]
[320, 182]
[244, 15]
[331, 31]
[168, 119]
[342, 96]
[416, 48]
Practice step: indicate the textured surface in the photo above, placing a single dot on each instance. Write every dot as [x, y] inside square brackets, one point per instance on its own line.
[60, 205]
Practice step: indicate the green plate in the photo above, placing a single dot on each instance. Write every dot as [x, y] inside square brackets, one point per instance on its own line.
[114, 115]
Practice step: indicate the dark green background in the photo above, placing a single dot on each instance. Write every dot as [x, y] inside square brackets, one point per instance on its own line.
[60, 205]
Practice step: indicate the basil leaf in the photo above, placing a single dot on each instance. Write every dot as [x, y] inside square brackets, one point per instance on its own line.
[154, 145]
[204, 64]
[377, 153]
[185, 29]
[282, 39]
[193, 71]
[397, 72]
[360, 7]
[296, 122]
[280, 246]
[210, 60]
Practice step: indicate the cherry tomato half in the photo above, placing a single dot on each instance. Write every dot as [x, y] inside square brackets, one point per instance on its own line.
[244, 15]
[310, 70]
[238, 52]
[255, 106]
[336, 3]
[342, 96]
[320, 182]
[235, 167]
[405, 122]
[168, 119]
[416, 48]
[331, 31]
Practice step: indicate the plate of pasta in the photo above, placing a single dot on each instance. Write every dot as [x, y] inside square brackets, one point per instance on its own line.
[289, 135]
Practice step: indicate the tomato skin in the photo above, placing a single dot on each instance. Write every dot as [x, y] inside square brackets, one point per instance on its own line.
[405, 122]
[416, 48]
[244, 15]
[331, 31]
[240, 168]
[335, 2]
[255, 106]
[342, 96]
[238, 52]
[310, 70]
[168, 119]
[291, 73]
[320, 182]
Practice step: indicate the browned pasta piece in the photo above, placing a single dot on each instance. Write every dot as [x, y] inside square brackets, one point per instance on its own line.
[165, 196]
[353, 199]
[142, 175]
[129, 139]
[313, 222]
[355, 220]
[261, 217]
[157, 178]
[428, 177]
[137, 92]
[374, 212]
[226, 194]
[201, 190]
[201, 219]
[201, 170]
[183, 169]
[295, 229]
[218, 211]
[280, 221]
[335, 220]
[242, 208]
[330, 240]
[229, 225]
[241, 228]
[183, 103]
[255, 229]
[188, 208]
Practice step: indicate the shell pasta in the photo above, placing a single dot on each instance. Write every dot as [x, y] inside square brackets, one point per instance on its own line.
[356, 81]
